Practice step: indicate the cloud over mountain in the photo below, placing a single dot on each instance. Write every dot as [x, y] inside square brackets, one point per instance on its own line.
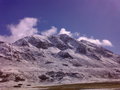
[64, 31]
[96, 41]
[25, 27]
[50, 32]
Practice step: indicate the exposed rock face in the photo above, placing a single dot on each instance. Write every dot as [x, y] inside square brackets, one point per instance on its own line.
[57, 59]
[65, 55]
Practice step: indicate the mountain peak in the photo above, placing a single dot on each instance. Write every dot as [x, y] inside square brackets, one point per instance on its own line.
[62, 42]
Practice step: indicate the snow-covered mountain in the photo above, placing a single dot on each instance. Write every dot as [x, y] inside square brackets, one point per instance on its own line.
[57, 59]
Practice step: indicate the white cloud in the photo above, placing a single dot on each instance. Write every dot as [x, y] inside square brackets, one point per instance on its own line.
[5, 38]
[24, 28]
[50, 32]
[96, 41]
[64, 31]
[107, 43]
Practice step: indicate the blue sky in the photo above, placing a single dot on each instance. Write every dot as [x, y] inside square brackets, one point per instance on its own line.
[92, 18]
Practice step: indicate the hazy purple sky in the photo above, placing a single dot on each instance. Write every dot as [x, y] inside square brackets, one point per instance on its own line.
[97, 18]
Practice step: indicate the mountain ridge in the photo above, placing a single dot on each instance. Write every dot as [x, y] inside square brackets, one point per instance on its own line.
[56, 59]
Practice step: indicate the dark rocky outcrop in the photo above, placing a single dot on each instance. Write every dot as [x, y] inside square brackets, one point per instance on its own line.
[65, 55]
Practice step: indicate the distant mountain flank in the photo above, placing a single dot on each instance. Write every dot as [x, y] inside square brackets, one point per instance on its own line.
[57, 59]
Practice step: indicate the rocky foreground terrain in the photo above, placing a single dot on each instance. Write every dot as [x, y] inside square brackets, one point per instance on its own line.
[58, 59]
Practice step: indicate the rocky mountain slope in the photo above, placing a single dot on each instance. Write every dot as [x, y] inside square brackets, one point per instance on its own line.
[56, 59]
